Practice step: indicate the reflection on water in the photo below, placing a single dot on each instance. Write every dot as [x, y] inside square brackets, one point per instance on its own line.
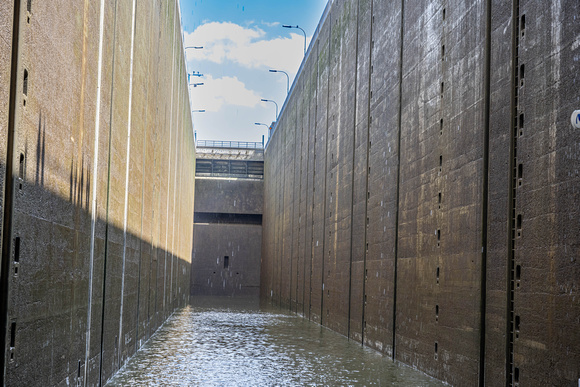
[225, 342]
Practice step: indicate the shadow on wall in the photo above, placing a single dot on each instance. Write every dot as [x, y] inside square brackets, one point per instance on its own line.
[50, 295]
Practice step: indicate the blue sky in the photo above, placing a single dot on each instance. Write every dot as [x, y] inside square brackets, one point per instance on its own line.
[242, 40]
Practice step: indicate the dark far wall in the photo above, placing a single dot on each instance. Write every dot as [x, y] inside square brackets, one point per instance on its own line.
[227, 235]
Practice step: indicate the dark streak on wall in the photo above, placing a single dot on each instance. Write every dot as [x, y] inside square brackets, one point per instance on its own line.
[421, 187]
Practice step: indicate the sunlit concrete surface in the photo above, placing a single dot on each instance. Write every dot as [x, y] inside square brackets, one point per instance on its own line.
[97, 169]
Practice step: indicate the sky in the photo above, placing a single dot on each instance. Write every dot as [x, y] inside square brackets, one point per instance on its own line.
[242, 40]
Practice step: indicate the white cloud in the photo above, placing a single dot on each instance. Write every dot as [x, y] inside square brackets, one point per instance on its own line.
[215, 93]
[275, 24]
[245, 46]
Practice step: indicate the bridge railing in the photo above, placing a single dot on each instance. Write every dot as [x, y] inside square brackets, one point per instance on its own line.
[229, 144]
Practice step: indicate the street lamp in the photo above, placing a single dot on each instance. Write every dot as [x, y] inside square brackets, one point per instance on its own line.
[193, 74]
[274, 102]
[194, 47]
[287, 79]
[198, 111]
[269, 131]
[304, 32]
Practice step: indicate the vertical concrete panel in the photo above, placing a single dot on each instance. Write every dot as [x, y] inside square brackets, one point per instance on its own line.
[383, 159]
[146, 28]
[360, 171]
[441, 154]
[461, 144]
[498, 203]
[111, 342]
[6, 32]
[547, 276]
[287, 210]
[51, 190]
[281, 176]
[320, 189]
[101, 183]
[300, 202]
[6, 80]
[268, 236]
[339, 168]
[418, 248]
[309, 149]
[274, 225]
[272, 217]
[132, 202]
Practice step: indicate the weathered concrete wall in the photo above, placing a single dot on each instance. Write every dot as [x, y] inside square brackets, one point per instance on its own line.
[98, 205]
[227, 224]
[421, 193]
[232, 196]
[241, 243]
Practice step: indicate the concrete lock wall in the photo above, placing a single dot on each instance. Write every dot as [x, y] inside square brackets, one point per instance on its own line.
[240, 276]
[228, 214]
[421, 187]
[97, 169]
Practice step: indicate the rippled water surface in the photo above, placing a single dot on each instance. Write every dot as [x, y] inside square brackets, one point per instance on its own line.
[224, 342]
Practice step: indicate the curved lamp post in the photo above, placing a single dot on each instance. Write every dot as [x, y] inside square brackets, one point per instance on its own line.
[269, 131]
[274, 102]
[287, 79]
[304, 32]
[193, 74]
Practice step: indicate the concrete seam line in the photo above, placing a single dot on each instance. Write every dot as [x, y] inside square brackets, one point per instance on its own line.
[399, 127]
[95, 175]
[485, 191]
[127, 180]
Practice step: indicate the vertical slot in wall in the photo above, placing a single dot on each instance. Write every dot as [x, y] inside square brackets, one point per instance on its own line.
[517, 119]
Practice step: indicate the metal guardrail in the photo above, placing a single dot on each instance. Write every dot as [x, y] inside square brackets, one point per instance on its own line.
[229, 168]
[229, 144]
